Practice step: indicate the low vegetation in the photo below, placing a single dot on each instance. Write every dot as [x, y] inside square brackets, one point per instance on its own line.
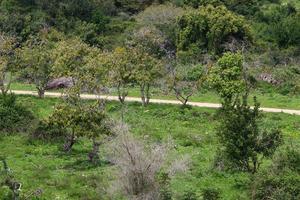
[228, 51]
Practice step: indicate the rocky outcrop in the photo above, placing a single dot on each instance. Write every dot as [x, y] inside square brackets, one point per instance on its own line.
[63, 82]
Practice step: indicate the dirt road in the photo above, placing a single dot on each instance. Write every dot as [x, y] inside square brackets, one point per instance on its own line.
[157, 101]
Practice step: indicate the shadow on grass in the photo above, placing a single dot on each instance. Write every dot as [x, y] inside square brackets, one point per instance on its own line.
[86, 164]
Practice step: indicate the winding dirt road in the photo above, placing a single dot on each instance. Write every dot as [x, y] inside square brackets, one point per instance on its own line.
[157, 101]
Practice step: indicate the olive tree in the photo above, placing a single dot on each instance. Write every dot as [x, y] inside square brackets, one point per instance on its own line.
[70, 59]
[82, 120]
[7, 46]
[228, 78]
[146, 71]
[120, 65]
[36, 61]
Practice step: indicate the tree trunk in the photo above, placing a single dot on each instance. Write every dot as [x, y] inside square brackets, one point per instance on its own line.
[4, 89]
[142, 87]
[181, 98]
[145, 94]
[93, 155]
[121, 94]
[69, 143]
[41, 93]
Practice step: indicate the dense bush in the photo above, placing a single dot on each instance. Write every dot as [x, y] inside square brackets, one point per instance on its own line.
[245, 7]
[211, 194]
[281, 25]
[47, 131]
[245, 144]
[282, 180]
[211, 29]
[13, 116]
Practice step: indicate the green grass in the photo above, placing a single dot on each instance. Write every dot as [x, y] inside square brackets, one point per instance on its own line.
[267, 99]
[70, 176]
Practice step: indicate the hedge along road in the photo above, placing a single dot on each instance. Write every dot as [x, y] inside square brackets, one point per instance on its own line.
[157, 101]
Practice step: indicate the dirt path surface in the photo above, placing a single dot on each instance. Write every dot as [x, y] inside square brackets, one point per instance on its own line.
[157, 101]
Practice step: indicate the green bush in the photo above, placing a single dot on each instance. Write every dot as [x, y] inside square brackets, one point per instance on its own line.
[47, 131]
[13, 116]
[282, 180]
[190, 195]
[211, 194]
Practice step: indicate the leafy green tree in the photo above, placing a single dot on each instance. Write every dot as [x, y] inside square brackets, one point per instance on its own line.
[7, 49]
[245, 144]
[244, 7]
[70, 59]
[121, 69]
[280, 25]
[228, 78]
[14, 118]
[146, 71]
[78, 119]
[36, 61]
[208, 28]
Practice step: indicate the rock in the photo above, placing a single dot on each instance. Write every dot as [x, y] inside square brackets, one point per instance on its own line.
[63, 82]
[268, 78]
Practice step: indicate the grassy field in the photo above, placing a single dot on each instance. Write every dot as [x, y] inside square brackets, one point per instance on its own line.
[267, 99]
[71, 176]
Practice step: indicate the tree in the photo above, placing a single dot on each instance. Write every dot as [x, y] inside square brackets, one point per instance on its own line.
[150, 40]
[70, 59]
[36, 61]
[7, 46]
[120, 68]
[243, 7]
[146, 71]
[14, 117]
[227, 77]
[78, 119]
[161, 19]
[245, 144]
[280, 25]
[186, 80]
[206, 29]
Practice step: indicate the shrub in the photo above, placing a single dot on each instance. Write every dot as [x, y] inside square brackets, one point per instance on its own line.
[211, 29]
[189, 195]
[141, 172]
[280, 181]
[245, 144]
[211, 194]
[10, 188]
[47, 131]
[13, 116]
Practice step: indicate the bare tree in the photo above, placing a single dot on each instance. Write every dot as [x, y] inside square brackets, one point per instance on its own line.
[138, 165]
[185, 81]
